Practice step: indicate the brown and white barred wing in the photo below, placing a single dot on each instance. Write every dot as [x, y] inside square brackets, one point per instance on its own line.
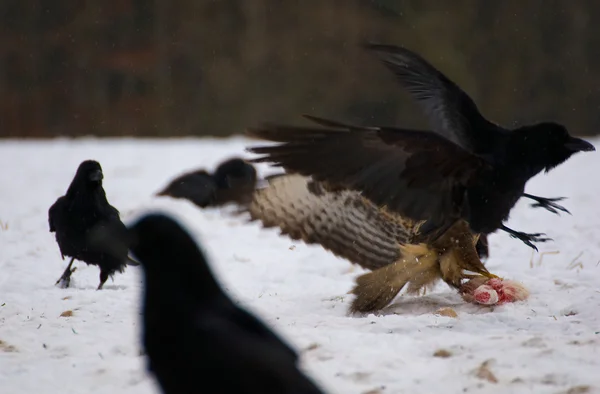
[343, 222]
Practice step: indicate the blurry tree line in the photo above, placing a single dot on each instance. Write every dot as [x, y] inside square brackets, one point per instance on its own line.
[213, 67]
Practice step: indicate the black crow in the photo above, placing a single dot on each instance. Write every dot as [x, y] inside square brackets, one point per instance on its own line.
[468, 168]
[482, 246]
[196, 338]
[73, 215]
[540, 202]
[445, 103]
[233, 181]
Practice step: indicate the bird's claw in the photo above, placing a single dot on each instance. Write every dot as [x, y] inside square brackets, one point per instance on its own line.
[66, 277]
[550, 205]
[489, 275]
[528, 239]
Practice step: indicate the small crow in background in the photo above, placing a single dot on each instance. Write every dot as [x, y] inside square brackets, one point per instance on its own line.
[73, 215]
[467, 168]
[196, 338]
[233, 181]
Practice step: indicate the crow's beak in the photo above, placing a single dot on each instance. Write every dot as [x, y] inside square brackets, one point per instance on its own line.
[96, 176]
[579, 145]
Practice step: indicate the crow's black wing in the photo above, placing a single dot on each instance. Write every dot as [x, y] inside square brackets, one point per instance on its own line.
[418, 174]
[452, 113]
[54, 212]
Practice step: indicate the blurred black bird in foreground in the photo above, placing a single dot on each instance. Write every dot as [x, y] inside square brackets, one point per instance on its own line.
[73, 215]
[233, 181]
[196, 338]
[466, 168]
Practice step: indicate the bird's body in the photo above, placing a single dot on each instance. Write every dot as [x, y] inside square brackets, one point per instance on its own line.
[233, 181]
[352, 227]
[195, 337]
[73, 215]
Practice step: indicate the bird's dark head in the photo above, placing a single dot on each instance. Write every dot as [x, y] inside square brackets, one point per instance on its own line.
[155, 239]
[188, 184]
[546, 145]
[88, 179]
[235, 173]
[90, 172]
[168, 253]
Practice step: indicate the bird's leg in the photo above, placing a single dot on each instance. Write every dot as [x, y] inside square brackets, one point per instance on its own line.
[482, 247]
[103, 279]
[547, 203]
[66, 276]
[526, 238]
[459, 259]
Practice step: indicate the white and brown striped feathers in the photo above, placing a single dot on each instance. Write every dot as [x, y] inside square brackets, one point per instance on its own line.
[343, 222]
[352, 227]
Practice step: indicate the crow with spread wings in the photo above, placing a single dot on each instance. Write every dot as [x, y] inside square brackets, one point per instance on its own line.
[397, 189]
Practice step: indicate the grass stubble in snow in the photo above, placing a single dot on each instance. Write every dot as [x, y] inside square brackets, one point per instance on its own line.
[80, 340]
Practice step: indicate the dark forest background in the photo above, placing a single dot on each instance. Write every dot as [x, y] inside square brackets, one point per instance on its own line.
[213, 67]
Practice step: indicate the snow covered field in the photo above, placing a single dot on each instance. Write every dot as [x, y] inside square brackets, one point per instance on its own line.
[547, 344]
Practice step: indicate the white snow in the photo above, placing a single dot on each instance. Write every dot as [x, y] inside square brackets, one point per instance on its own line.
[547, 344]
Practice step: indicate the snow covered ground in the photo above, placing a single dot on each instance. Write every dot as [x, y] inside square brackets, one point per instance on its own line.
[548, 344]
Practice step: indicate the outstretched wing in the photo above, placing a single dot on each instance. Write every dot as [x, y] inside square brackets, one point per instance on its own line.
[343, 222]
[452, 113]
[416, 174]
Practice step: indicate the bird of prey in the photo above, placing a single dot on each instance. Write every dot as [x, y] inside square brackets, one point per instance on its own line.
[352, 227]
[73, 215]
[233, 181]
[196, 338]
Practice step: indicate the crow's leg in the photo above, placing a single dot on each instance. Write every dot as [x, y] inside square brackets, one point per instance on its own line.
[103, 278]
[527, 239]
[66, 276]
[547, 203]
[482, 247]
